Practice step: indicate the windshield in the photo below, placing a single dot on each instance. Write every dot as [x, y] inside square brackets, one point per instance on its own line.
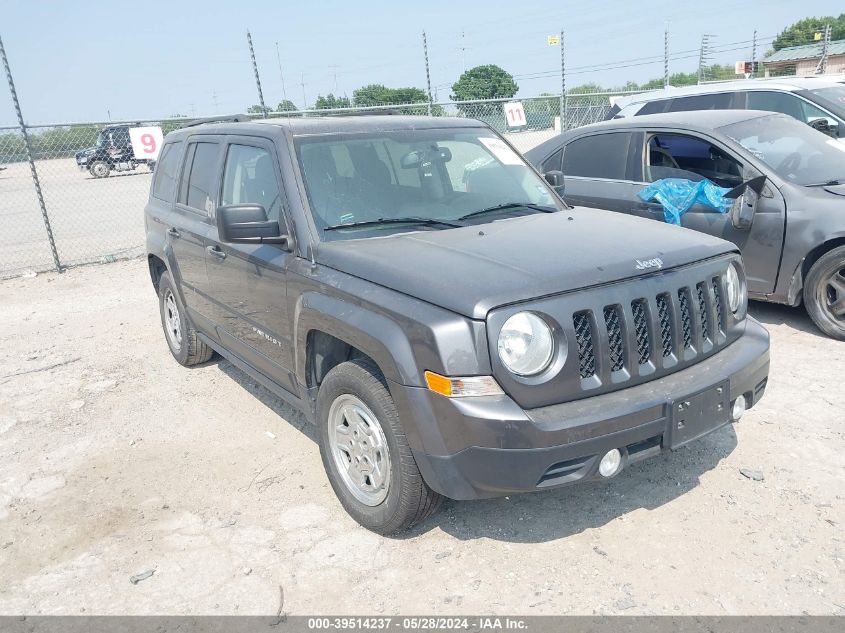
[834, 95]
[795, 151]
[361, 185]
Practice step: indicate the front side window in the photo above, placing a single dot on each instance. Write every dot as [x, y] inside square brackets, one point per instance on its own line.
[165, 173]
[690, 158]
[250, 178]
[795, 151]
[783, 102]
[436, 176]
[598, 156]
[198, 176]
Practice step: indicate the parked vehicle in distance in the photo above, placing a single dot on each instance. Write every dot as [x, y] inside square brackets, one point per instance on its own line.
[112, 151]
[817, 101]
[793, 238]
[448, 323]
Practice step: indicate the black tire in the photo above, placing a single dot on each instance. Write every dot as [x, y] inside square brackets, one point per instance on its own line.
[99, 169]
[409, 500]
[187, 348]
[824, 293]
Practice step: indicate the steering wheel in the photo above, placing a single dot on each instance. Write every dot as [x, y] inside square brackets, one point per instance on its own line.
[790, 164]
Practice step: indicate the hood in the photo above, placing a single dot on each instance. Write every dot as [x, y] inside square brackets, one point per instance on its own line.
[473, 269]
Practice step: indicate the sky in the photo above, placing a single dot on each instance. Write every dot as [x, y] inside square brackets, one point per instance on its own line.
[95, 61]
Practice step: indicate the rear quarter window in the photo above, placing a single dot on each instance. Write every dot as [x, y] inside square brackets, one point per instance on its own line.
[164, 183]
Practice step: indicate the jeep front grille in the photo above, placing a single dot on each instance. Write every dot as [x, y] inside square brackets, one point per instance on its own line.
[614, 336]
[638, 308]
[659, 331]
[584, 339]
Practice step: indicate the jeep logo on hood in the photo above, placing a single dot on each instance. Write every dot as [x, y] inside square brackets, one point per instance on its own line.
[649, 263]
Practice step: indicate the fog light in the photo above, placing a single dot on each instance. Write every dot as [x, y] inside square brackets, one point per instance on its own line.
[610, 463]
[738, 408]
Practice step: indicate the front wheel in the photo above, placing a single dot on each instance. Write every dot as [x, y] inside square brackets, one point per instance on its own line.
[99, 169]
[824, 293]
[365, 451]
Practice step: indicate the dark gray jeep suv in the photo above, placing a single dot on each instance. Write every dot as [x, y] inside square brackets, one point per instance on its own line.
[449, 324]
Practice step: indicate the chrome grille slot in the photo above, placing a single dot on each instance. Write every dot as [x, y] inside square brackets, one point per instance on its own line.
[665, 318]
[638, 308]
[686, 317]
[613, 321]
[702, 312]
[584, 339]
[717, 297]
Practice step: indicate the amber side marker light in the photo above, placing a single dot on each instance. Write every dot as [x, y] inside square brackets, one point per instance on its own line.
[462, 387]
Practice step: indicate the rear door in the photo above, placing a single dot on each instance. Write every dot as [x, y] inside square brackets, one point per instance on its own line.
[249, 281]
[191, 222]
[597, 169]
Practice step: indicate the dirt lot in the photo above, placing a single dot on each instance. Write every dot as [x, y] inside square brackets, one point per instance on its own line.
[116, 461]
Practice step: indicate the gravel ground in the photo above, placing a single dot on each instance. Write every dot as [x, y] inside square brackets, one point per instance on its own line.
[117, 461]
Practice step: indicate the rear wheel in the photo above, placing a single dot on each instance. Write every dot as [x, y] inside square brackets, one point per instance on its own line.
[365, 451]
[824, 293]
[181, 337]
[99, 169]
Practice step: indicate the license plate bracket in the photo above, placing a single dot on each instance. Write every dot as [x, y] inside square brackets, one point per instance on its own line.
[698, 414]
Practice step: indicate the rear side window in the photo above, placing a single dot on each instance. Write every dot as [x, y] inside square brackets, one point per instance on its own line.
[197, 184]
[165, 174]
[718, 101]
[654, 107]
[552, 163]
[598, 156]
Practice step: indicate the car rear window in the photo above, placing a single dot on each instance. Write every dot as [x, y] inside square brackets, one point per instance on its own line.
[165, 174]
[598, 156]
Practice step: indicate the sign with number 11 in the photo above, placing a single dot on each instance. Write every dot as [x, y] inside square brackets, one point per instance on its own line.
[515, 114]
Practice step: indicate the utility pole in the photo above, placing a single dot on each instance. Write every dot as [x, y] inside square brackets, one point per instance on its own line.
[821, 68]
[302, 83]
[281, 75]
[427, 72]
[753, 52]
[563, 99]
[703, 57]
[666, 56]
[257, 78]
[30, 159]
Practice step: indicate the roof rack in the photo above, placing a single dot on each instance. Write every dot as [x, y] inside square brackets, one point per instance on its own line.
[232, 118]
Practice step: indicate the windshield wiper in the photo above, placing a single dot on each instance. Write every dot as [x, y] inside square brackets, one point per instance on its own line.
[382, 221]
[508, 205]
[829, 183]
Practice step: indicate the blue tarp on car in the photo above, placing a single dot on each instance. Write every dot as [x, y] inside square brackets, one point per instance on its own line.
[678, 195]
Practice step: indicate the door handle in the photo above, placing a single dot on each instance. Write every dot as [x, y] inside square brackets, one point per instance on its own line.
[216, 251]
[174, 233]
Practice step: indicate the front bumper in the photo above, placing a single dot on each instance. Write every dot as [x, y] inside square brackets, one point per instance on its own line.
[474, 448]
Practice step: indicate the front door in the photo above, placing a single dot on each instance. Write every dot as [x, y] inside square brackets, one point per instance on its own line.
[693, 157]
[249, 281]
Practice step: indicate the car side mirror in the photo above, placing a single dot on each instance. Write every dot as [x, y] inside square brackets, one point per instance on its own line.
[248, 224]
[823, 125]
[745, 197]
[556, 180]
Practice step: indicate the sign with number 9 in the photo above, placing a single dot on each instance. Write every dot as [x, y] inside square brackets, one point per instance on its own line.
[146, 142]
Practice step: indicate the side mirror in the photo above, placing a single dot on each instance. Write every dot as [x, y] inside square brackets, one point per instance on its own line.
[248, 224]
[556, 180]
[823, 125]
[745, 199]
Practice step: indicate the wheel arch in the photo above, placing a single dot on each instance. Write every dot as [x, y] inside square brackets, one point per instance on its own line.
[796, 286]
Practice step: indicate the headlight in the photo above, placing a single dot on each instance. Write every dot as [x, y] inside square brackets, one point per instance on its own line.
[526, 344]
[735, 287]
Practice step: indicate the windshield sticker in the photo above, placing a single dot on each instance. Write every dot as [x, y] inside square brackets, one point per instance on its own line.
[500, 150]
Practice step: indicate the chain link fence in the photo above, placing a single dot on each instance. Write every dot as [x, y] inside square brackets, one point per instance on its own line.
[94, 191]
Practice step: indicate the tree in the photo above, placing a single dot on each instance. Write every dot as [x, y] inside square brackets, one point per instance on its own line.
[378, 94]
[330, 102]
[285, 106]
[256, 109]
[484, 82]
[803, 31]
